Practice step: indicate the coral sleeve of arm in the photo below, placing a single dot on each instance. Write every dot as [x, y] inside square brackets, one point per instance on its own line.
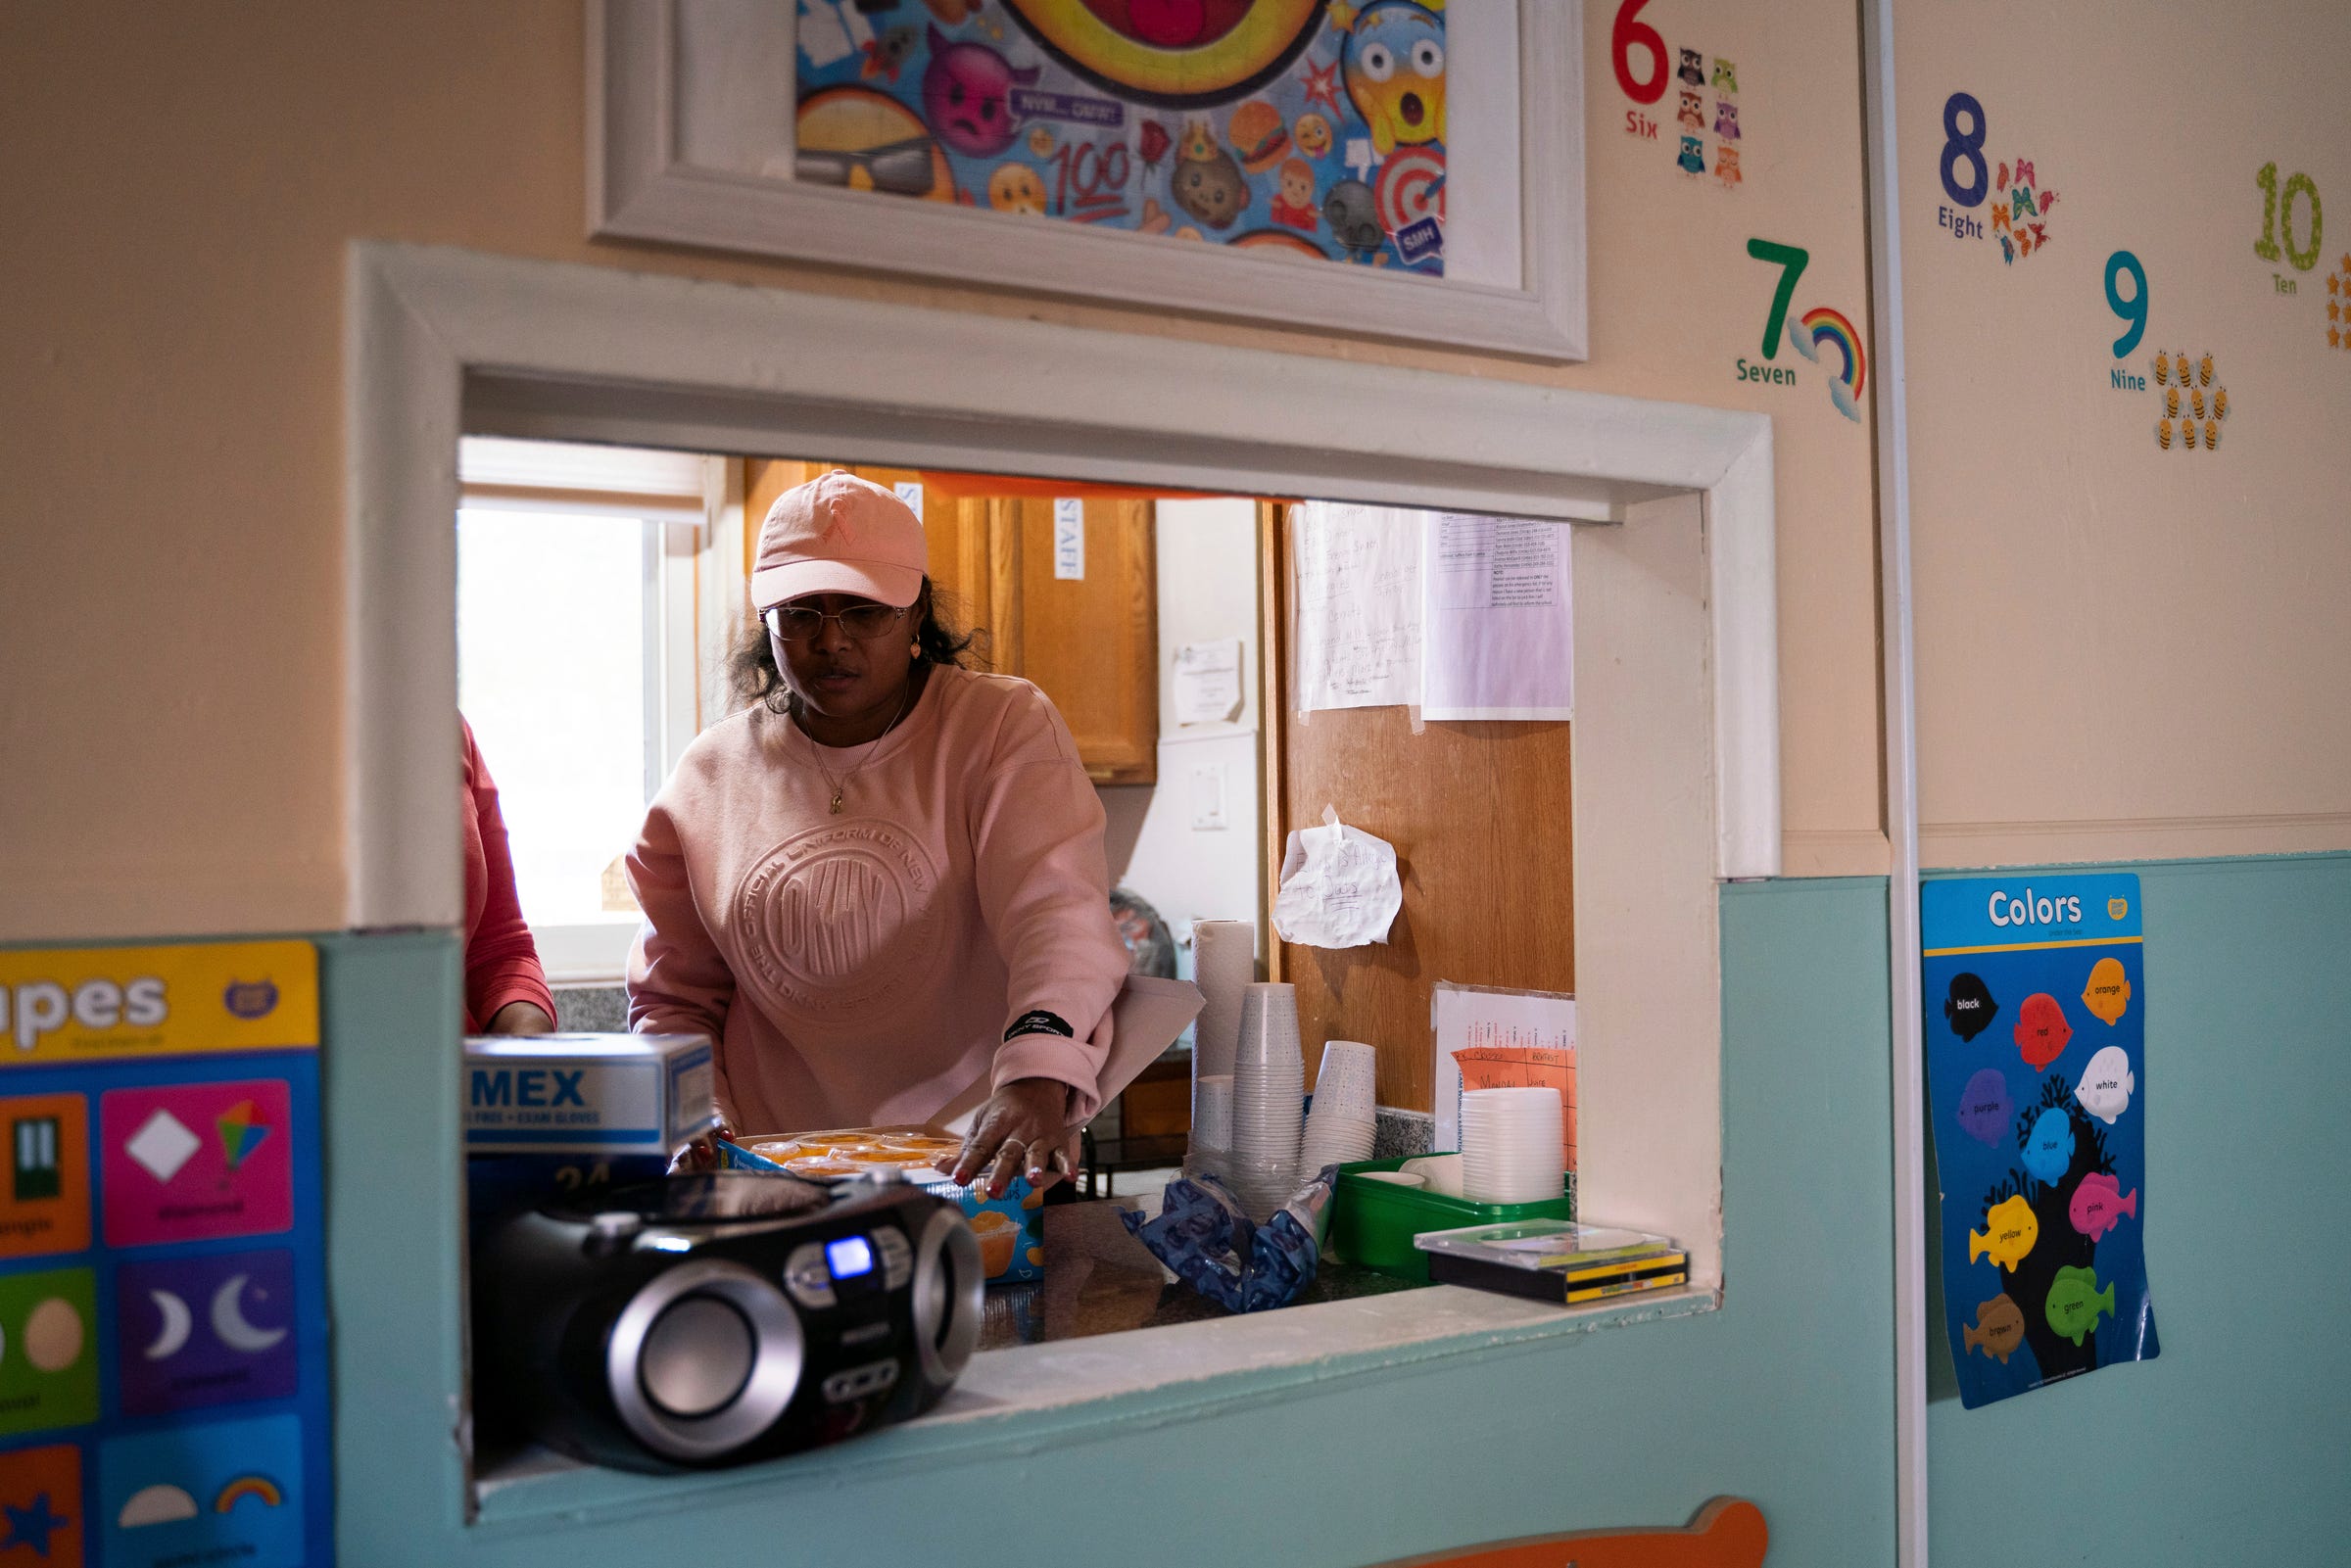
[679, 982]
[1044, 891]
[501, 961]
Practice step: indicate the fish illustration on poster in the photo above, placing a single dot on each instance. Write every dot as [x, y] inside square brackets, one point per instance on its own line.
[2041, 1142]
[1314, 128]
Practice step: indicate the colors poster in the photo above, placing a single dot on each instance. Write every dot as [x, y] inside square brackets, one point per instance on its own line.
[1314, 128]
[163, 1280]
[2035, 1038]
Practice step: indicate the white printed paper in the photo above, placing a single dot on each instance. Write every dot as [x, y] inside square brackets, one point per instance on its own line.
[1339, 886]
[910, 491]
[1500, 630]
[1069, 539]
[1541, 1025]
[1208, 682]
[1356, 638]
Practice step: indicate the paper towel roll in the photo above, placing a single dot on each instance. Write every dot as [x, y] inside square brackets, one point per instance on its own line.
[1224, 967]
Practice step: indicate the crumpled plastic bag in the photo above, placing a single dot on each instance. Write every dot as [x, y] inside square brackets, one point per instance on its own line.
[1205, 1235]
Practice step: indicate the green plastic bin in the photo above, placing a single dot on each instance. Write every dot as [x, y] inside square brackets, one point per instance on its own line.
[1372, 1224]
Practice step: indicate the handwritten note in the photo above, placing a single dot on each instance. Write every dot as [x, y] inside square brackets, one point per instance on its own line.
[1500, 627]
[1357, 629]
[1339, 886]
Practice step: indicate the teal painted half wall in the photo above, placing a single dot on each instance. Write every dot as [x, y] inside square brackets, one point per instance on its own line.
[2235, 1444]
[1785, 1396]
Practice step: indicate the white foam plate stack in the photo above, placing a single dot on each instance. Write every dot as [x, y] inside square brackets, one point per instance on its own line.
[1510, 1146]
[1345, 1112]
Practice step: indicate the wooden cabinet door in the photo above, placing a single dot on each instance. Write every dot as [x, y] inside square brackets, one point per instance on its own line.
[1090, 641]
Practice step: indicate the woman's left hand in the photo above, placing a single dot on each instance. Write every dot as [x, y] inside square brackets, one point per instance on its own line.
[1023, 1130]
[520, 1018]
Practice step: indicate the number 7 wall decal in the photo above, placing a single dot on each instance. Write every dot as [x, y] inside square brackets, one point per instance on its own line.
[1816, 326]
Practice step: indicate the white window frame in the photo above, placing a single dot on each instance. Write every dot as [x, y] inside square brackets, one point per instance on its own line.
[691, 507]
[1678, 787]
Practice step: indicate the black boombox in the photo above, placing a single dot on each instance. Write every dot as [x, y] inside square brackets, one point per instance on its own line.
[705, 1320]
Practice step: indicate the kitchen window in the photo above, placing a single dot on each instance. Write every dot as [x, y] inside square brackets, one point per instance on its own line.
[579, 665]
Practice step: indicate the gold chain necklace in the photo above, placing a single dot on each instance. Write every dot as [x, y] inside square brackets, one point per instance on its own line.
[840, 785]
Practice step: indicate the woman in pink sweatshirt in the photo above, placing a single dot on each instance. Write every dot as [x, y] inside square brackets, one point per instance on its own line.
[883, 880]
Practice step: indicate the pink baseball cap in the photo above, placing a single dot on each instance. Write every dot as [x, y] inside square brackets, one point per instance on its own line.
[839, 533]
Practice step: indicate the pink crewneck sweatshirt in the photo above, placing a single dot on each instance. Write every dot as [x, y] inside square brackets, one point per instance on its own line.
[865, 969]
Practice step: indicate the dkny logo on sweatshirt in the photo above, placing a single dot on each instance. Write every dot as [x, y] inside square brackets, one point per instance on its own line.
[841, 918]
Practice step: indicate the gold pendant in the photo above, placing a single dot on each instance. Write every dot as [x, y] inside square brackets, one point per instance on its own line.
[835, 802]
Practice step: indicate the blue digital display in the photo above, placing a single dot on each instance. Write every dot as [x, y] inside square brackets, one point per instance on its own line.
[849, 1256]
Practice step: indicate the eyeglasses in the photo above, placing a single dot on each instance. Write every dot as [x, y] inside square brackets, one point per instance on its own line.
[864, 622]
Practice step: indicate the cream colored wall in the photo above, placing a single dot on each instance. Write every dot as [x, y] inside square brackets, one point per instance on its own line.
[2124, 651]
[183, 184]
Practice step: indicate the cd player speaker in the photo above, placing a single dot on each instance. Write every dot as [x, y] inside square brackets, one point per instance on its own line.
[703, 1359]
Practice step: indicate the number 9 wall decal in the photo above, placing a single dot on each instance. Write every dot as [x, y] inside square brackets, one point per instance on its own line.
[2134, 311]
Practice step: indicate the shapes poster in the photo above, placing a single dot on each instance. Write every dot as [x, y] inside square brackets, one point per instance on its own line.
[2035, 1040]
[163, 1307]
[1315, 128]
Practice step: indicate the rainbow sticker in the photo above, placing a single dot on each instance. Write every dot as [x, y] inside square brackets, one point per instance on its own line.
[248, 1486]
[1823, 325]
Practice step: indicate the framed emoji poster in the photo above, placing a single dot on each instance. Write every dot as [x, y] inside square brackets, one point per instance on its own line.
[1406, 169]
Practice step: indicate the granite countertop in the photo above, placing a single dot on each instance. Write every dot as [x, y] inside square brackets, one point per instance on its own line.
[1100, 1280]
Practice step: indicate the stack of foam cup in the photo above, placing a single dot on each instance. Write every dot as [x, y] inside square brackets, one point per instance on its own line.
[1510, 1147]
[1212, 1112]
[1268, 1082]
[1344, 1113]
[1224, 967]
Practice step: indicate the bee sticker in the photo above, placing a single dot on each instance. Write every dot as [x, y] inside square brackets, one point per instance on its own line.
[2163, 433]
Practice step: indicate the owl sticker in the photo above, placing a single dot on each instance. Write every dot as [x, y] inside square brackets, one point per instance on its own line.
[1693, 68]
[1726, 166]
[1694, 112]
[1693, 157]
[1726, 119]
[1726, 75]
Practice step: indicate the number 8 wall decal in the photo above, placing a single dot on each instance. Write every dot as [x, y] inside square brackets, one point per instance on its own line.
[2020, 202]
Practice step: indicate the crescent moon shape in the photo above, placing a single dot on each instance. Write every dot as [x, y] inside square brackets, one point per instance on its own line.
[177, 1323]
[229, 1319]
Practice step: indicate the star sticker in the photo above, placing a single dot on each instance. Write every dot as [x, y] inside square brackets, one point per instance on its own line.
[1323, 86]
[2334, 340]
[31, 1527]
[2334, 285]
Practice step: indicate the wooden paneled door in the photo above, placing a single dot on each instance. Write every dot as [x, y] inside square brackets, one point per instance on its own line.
[1479, 815]
[1090, 642]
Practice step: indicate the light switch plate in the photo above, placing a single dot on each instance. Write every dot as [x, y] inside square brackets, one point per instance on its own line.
[1208, 798]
